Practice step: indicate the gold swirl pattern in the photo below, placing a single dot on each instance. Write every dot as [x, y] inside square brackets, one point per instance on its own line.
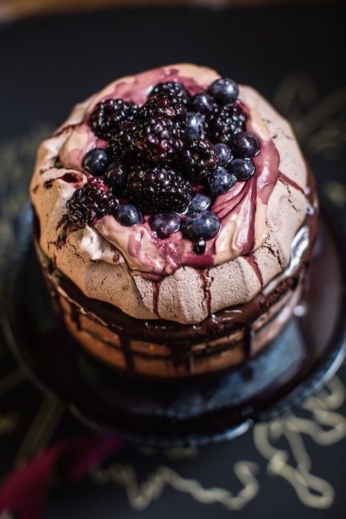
[324, 425]
[142, 495]
[319, 124]
[8, 422]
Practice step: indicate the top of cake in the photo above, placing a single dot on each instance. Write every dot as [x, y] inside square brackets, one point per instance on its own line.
[165, 188]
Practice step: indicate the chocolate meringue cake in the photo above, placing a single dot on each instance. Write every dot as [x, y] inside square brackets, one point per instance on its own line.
[174, 222]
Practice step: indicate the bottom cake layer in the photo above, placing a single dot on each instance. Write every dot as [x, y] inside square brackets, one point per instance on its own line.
[163, 349]
[152, 359]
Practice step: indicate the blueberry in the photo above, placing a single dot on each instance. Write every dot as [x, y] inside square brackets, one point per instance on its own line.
[223, 153]
[220, 181]
[242, 169]
[201, 225]
[224, 90]
[199, 246]
[128, 215]
[164, 224]
[116, 177]
[194, 125]
[245, 144]
[199, 203]
[96, 161]
[202, 103]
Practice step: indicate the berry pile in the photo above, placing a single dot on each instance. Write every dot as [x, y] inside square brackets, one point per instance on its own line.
[169, 158]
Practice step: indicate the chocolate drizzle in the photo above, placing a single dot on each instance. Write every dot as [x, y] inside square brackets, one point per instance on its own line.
[125, 345]
[75, 316]
[203, 274]
[156, 296]
[182, 357]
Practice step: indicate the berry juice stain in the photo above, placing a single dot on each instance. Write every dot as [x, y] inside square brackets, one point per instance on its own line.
[291, 183]
[70, 178]
[206, 282]
[253, 263]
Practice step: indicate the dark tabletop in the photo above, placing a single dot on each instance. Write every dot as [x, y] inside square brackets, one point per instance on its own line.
[296, 57]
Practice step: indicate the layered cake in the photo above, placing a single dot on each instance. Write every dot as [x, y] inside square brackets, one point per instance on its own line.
[174, 222]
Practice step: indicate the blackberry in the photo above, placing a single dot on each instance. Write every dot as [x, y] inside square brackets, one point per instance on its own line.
[171, 88]
[158, 189]
[224, 122]
[159, 137]
[90, 203]
[194, 125]
[161, 105]
[198, 159]
[116, 176]
[97, 186]
[76, 208]
[107, 115]
[121, 141]
[99, 194]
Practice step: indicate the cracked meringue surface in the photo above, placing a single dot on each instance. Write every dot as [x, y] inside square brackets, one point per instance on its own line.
[131, 269]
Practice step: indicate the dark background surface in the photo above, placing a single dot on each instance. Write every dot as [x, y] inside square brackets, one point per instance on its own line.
[287, 53]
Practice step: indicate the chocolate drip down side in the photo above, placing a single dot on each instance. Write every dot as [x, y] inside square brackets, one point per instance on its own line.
[180, 339]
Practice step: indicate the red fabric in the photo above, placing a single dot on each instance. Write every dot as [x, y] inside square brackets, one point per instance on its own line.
[24, 492]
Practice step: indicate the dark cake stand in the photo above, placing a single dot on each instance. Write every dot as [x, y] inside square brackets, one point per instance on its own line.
[205, 409]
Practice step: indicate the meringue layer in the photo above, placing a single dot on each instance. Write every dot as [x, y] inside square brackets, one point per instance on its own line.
[149, 278]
